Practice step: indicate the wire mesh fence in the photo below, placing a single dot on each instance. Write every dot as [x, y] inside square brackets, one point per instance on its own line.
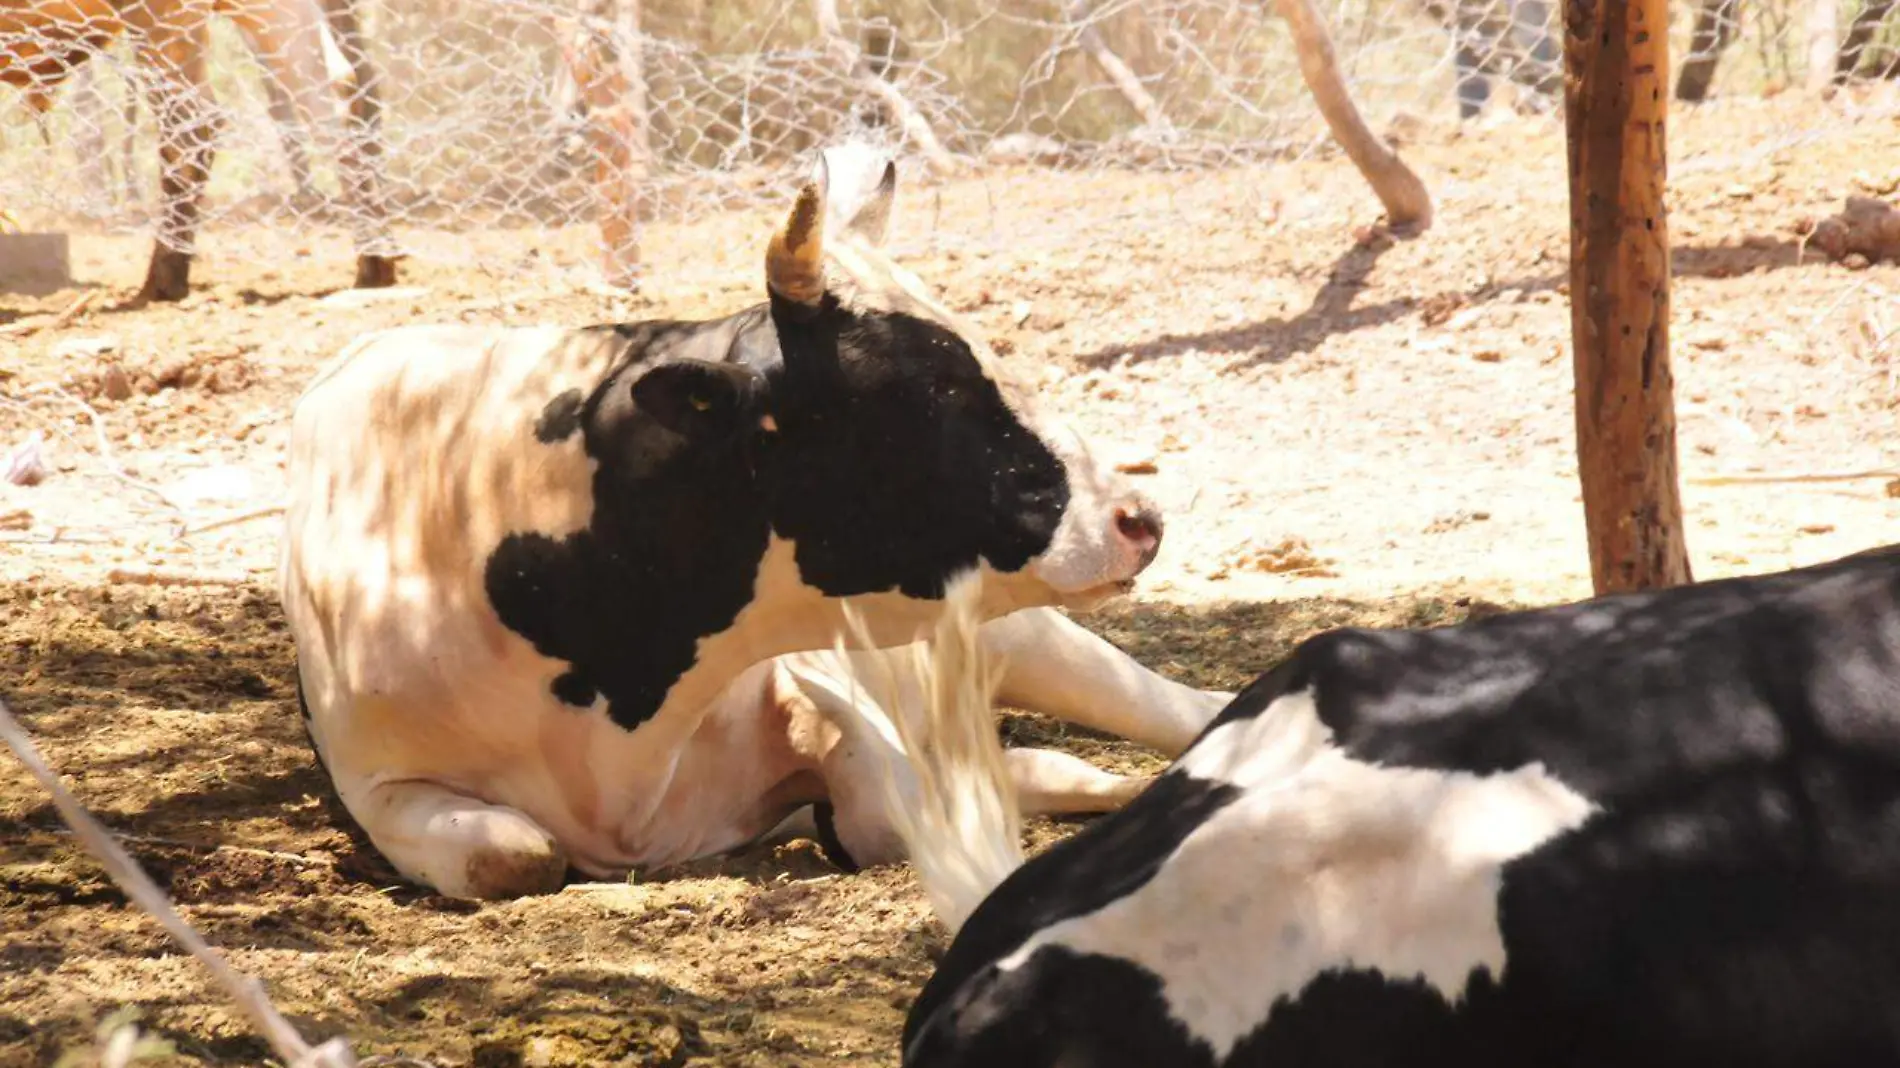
[406, 124]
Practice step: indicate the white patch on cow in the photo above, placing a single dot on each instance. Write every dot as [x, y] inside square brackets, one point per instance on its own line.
[1326, 864]
[1086, 552]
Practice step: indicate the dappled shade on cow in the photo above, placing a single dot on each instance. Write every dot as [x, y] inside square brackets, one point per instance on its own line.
[535, 575]
[1652, 829]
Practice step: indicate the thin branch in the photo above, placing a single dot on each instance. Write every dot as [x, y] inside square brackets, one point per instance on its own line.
[139, 888]
[193, 847]
[230, 521]
[59, 320]
[1756, 480]
[154, 576]
[912, 121]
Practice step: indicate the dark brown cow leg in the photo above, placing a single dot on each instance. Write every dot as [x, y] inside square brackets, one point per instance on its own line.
[362, 161]
[187, 131]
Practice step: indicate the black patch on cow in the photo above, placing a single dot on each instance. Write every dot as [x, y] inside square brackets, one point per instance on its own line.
[309, 729]
[1057, 1008]
[1109, 859]
[894, 473]
[574, 689]
[561, 418]
[894, 461]
[1624, 694]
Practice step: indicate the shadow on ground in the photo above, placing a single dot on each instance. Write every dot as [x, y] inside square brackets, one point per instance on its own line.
[171, 714]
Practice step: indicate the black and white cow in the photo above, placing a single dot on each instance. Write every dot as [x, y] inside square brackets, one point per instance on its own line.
[538, 577]
[1649, 829]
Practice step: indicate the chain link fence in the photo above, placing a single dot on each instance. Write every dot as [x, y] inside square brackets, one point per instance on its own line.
[544, 114]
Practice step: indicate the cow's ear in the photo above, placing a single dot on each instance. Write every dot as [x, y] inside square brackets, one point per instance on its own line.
[701, 399]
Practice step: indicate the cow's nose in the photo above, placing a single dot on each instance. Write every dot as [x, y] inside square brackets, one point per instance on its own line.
[1139, 524]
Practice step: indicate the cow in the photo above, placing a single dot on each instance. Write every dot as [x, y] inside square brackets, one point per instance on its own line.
[538, 578]
[1653, 828]
[43, 41]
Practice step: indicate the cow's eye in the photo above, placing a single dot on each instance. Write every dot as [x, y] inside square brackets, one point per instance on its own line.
[700, 402]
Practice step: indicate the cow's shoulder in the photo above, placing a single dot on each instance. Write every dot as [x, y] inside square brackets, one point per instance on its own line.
[1616, 692]
[675, 529]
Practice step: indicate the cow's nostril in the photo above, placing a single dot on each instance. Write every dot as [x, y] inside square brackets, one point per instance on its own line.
[1141, 526]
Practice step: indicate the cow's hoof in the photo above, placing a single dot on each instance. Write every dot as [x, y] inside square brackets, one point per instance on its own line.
[375, 272]
[500, 872]
[168, 278]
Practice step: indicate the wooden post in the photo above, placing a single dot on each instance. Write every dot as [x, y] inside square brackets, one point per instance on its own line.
[1408, 207]
[1616, 101]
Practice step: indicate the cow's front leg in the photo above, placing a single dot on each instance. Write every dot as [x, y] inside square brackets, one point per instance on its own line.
[1057, 667]
[460, 846]
[1050, 783]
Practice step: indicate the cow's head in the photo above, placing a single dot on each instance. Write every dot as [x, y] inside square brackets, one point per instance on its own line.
[894, 452]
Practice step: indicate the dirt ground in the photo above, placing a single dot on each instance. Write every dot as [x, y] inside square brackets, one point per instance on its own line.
[1341, 428]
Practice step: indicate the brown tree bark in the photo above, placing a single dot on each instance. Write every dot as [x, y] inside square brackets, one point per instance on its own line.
[1616, 104]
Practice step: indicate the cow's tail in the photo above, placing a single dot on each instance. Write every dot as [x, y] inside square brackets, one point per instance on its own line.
[961, 823]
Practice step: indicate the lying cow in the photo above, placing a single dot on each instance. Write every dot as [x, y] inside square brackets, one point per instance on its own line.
[532, 573]
[43, 41]
[1649, 829]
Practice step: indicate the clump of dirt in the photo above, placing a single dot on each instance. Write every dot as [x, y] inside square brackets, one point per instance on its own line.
[1866, 231]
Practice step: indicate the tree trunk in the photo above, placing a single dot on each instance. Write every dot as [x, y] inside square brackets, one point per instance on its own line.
[1714, 29]
[1616, 103]
[909, 119]
[1407, 205]
[1113, 68]
[1860, 34]
[1824, 32]
[607, 63]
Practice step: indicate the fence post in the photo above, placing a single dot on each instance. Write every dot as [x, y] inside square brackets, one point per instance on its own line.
[1616, 103]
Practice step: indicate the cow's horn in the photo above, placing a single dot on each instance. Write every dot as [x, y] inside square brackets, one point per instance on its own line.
[795, 260]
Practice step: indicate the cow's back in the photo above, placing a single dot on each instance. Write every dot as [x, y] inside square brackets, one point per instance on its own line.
[410, 458]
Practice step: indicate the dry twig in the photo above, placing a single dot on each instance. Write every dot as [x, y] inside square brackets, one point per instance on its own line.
[1754, 480]
[156, 576]
[59, 320]
[230, 521]
[247, 992]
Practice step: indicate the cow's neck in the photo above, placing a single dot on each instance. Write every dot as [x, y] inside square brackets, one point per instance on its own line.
[787, 616]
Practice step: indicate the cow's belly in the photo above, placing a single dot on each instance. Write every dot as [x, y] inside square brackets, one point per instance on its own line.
[680, 787]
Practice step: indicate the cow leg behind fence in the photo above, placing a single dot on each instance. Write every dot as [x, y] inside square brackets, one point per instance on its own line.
[173, 47]
[288, 36]
[365, 181]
